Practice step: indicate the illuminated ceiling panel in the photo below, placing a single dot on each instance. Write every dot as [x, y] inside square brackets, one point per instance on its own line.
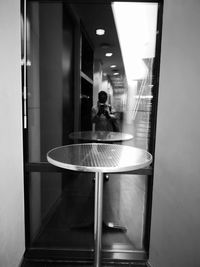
[136, 27]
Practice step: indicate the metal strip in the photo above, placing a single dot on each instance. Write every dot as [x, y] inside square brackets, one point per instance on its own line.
[24, 70]
[47, 167]
[98, 218]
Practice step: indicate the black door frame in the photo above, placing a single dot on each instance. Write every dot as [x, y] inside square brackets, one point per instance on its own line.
[30, 167]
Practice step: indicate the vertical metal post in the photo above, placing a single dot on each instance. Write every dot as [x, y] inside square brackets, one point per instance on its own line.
[24, 61]
[98, 210]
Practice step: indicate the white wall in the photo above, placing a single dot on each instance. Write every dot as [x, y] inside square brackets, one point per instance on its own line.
[11, 168]
[175, 233]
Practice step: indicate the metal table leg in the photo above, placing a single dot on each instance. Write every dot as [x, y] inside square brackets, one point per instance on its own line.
[98, 208]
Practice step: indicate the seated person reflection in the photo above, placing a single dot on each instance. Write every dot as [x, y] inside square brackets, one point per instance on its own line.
[102, 115]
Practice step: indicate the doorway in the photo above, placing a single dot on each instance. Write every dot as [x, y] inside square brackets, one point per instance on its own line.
[67, 68]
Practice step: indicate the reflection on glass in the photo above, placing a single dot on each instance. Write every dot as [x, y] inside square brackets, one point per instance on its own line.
[53, 219]
[58, 104]
[56, 226]
[68, 70]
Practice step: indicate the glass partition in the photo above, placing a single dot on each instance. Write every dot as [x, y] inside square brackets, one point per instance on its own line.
[69, 65]
[65, 220]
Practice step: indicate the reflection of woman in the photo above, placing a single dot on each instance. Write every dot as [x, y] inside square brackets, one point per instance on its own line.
[102, 114]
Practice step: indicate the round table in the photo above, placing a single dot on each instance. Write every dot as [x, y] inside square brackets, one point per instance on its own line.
[101, 136]
[99, 158]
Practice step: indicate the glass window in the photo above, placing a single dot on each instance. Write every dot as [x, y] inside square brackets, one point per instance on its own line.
[86, 88]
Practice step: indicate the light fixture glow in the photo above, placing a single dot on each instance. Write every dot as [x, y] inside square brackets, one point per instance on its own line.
[140, 43]
[113, 66]
[100, 31]
[108, 54]
[116, 73]
[28, 63]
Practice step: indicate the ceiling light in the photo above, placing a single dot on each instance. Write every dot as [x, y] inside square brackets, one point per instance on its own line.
[113, 66]
[108, 54]
[100, 31]
[116, 73]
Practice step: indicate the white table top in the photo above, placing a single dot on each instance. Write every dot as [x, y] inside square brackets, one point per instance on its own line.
[98, 157]
[101, 136]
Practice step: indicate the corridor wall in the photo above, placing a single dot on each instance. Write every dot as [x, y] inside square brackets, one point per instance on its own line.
[12, 242]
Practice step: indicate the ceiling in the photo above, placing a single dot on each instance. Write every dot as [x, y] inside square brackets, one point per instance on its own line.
[94, 16]
[136, 23]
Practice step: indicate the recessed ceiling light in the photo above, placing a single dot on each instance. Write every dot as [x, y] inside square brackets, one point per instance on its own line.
[113, 66]
[108, 54]
[100, 31]
[116, 73]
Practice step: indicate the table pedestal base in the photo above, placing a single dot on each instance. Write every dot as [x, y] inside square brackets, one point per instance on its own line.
[110, 227]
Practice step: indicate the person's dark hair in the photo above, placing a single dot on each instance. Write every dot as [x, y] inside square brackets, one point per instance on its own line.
[102, 97]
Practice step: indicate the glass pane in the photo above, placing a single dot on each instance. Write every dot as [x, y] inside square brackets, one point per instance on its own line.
[57, 214]
[64, 219]
[67, 68]
[84, 87]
